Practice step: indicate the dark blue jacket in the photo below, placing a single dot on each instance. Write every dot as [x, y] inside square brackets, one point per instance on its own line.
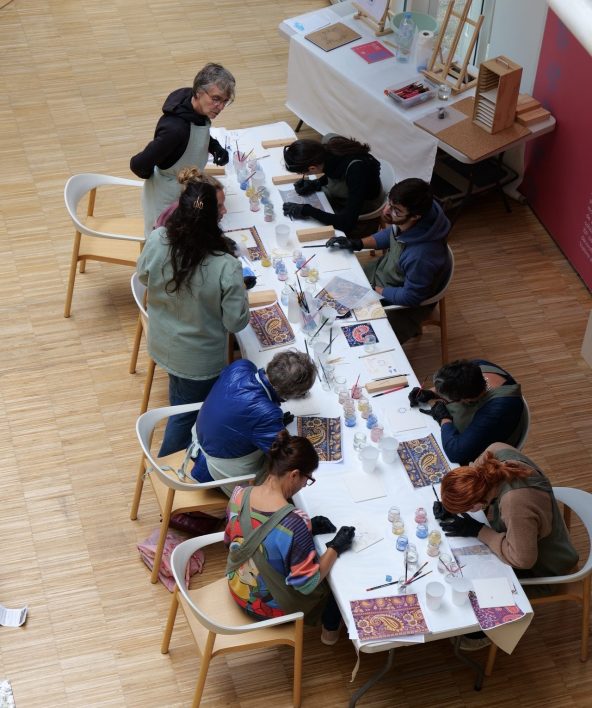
[424, 261]
[240, 414]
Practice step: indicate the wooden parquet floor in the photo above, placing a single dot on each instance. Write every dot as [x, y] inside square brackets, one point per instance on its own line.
[81, 87]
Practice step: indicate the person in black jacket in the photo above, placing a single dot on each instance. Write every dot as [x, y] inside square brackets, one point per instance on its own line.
[182, 139]
[351, 179]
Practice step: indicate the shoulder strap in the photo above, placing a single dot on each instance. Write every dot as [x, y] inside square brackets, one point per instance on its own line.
[253, 538]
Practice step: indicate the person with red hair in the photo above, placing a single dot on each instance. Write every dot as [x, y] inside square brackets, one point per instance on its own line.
[527, 529]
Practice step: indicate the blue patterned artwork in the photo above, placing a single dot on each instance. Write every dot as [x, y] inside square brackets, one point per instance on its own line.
[423, 460]
[324, 434]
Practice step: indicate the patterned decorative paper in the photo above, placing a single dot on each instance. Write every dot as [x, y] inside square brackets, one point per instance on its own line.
[291, 195]
[249, 238]
[355, 334]
[375, 311]
[324, 434]
[271, 326]
[491, 617]
[476, 550]
[423, 460]
[347, 293]
[387, 617]
[327, 299]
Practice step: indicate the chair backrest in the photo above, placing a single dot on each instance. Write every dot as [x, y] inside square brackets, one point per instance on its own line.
[179, 560]
[79, 185]
[144, 430]
[525, 425]
[581, 502]
[387, 179]
[139, 293]
[439, 295]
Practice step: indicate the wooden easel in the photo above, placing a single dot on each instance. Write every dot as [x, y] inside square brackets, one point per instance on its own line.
[377, 25]
[446, 70]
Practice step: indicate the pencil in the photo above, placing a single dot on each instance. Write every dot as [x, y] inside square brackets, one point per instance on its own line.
[384, 351]
[391, 390]
[383, 585]
[321, 245]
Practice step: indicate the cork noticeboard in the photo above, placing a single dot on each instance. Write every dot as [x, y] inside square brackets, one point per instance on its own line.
[472, 141]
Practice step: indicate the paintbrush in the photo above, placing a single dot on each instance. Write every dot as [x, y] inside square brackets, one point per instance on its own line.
[391, 390]
[319, 329]
[435, 493]
[305, 262]
[419, 577]
[355, 386]
[382, 585]
[417, 572]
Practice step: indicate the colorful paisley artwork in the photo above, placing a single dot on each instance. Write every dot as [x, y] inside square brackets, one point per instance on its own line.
[386, 617]
[355, 333]
[491, 617]
[324, 434]
[423, 460]
[271, 326]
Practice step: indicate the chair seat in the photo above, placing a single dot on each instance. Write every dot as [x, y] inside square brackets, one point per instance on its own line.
[109, 250]
[201, 499]
[120, 225]
[216, 601]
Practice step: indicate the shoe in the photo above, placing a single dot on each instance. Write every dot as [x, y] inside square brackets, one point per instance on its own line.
[330, 637]
[468, 644]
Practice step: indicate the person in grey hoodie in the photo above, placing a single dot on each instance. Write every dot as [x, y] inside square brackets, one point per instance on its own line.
[416, 263]
[182, 139]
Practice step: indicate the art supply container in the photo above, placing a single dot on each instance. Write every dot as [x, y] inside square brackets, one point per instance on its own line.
[433, 549]
[241, 175]
[388, 449]
[252, 164]
[411, 558]
[359, 441]
[369, 458]
[401, 587]
[460, 591]
[398, 529]
[350, 420]
[453, 571]
[282, 235]
[394, 513]
[369, 344]
[309, 324]
[268, 214]
[434, 595]
[376, 433]
[339, 383]
[296, 256]
[343, 395]
[294, 314]
[313, 275]
[421, 515]
[365, 411]
[362, 400]
[444, 562]
[258, 180]
[421, 530]
[348, 408]
[444, 91]
[401, 544]
[285, 295]
[320, 348]
[371, 421]
[254, 204]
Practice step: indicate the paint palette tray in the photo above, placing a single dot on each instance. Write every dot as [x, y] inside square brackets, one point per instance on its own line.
[411, 93]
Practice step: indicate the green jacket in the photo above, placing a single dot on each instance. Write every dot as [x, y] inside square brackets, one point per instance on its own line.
[188, 329]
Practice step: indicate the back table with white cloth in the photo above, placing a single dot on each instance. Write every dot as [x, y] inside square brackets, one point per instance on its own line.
[338, 484]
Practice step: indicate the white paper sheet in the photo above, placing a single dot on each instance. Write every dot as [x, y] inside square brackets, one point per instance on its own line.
[401, 421]
[493, 592]
[362, 486]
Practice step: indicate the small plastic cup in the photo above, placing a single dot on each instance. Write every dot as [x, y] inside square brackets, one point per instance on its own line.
[444, 562]
[444, 92]
[398, 528]
[394, 514]
[369, 344]
[359, 441]
[282, 235]
[460, 591]
[434, 595]
[369, 458]
[388, 449]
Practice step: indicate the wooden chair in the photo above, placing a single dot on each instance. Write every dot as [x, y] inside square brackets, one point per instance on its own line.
[107, 239]
[387, 179]
[439, 300]
[139, 293]
[574, 587]
[220, 626]
[522, 442]
[176, 491]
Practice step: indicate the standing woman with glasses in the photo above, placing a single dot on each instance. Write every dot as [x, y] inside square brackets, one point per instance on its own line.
[196, 295]
[273, 568]
[182, 139]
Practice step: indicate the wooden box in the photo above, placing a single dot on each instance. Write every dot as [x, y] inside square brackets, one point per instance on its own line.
[496, 96]
[259, 298]
[386, 384]
[278, 142]
[315, 233]
[285, 179]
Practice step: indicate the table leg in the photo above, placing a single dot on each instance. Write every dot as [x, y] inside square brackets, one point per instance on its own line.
[498, 184]
[373, 679]
[477, 668]
[297, 128]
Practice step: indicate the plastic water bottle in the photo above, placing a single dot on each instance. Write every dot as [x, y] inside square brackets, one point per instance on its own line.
[405, 34]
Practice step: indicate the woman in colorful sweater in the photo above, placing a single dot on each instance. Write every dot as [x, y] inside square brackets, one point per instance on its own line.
[273, 567]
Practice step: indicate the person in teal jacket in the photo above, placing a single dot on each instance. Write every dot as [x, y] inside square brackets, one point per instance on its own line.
[196, 296]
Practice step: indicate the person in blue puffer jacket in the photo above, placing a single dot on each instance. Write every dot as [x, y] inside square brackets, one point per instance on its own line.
[241, 415]
[416, 263]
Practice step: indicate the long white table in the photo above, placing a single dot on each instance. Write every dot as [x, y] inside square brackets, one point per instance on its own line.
[330, 496]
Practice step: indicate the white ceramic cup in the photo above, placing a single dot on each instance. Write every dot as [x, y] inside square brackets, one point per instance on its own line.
[388, 449]
[369, 458]
[282, 235]
[434, 595]
[460, 591]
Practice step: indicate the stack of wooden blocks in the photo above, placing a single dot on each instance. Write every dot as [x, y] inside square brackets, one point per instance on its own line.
[529, 110]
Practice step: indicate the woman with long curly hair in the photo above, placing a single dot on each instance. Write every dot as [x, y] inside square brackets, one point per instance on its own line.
[527, 529]
[196, 296]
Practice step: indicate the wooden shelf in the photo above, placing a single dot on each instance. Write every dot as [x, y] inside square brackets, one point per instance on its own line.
[498, 85]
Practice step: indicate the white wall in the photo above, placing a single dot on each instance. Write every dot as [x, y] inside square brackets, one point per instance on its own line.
[517, 32]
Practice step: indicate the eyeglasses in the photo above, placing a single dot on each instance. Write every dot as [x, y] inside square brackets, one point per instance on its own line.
[397, 212]
[218, 100]
[309, 480]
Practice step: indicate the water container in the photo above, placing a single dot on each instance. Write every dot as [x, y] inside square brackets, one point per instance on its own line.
[404, 36]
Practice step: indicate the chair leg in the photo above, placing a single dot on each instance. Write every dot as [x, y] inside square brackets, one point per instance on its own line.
[72, 275]
[168, 630]
[298, 650]
[490, 660]
[166, 517]
[147, 385]
[203, 671]
[82, 268]
[585, 618]
[136, 348]
[138, 490]
[443, 331]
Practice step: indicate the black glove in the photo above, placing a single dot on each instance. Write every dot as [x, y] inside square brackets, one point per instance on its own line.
[343, 540]
[440, 513]
[303, 187]
[344, 243]
[232, 246]
[465, 526]
[438, 412]
[321, 524]
[287, 419]
[420, 395]
[219, 154]
[295, 211]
